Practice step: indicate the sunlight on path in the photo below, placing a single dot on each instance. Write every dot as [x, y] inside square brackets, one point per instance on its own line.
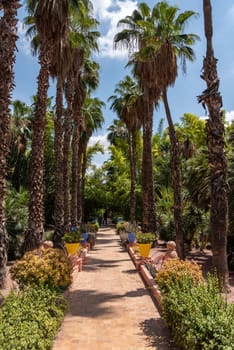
[110, 309]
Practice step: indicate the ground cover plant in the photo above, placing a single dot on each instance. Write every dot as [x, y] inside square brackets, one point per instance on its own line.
[30, 319]
[194, 309]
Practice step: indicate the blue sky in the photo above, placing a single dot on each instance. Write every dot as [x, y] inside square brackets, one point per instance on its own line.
[182, 98]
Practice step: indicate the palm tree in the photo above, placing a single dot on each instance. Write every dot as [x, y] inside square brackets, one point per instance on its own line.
[171, 42]
[117, 131]
[8, 37]
[212, 99]
[88, 79]
[51, 21]
[134, 37]
[159, 37]
[125, 103]
[62, 58]
[93, 119]
[83, 38]
[20, 137]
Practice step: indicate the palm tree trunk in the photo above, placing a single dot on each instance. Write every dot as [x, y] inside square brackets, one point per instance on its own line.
[79, 175]
[212, 99]
[176, 180]
[75, 147]
[82, 184]
[34, 234]
[58, 151]
[132, 158]
[8, 24]
[148, 201]
[66, 151]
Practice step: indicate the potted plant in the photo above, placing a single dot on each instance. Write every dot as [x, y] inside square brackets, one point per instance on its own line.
[144, 242]
[72, 241]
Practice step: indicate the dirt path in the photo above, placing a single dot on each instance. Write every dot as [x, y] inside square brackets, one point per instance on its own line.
[110, 309]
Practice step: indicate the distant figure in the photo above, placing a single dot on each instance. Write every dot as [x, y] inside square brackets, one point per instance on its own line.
[105, 218]
[158, 260]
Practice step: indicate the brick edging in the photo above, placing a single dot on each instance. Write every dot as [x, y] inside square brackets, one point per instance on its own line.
[147, 277]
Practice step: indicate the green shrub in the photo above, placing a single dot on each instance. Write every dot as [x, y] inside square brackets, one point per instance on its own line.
[95, 227]
[121, 226]
[198, 316]
[49, 267]
[72, 237]
[174, 271]
[146, 237]
[31, 319]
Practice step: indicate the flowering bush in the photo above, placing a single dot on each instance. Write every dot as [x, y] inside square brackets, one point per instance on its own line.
[49, 267]
[175, 270]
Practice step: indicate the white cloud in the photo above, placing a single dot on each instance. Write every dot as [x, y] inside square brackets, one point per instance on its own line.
[229, 116]
[99, 159]
[102, 139]
[109, 12]
[23, 43]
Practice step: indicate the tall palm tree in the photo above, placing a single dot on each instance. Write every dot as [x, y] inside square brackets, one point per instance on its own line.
[169, 42]
[8, 37]
[134, 37]
[88, 79]
[83, 37]
[62, 58]
[93, 120]
[51, 21]
[212, 100]
[159, 37]
[125, 102]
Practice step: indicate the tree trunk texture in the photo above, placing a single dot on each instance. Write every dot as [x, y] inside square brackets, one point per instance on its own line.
[82, 184]
[34, 234]
[8, 37]
[58, 151]
[212, 99]
[75, 148]
[149, 220]
[132, 158]
[79, 186]
[176, 180]
[66, 151]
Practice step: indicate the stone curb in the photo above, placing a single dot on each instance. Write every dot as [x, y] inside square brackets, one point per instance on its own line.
[147, 277]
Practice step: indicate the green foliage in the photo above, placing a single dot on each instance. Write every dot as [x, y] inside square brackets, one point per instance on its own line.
[95, 227]
[120, 226]
[30, 319]
[48, 267]
[198, 316]
[16, 209]
[72, 237]
[147, 237]
[174, 271]
[17, 219]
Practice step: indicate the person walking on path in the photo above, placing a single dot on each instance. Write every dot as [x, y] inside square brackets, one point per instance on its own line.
[110, 308]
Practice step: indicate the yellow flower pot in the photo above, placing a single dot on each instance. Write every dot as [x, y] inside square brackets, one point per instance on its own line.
[144, 249]
[72, 248]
